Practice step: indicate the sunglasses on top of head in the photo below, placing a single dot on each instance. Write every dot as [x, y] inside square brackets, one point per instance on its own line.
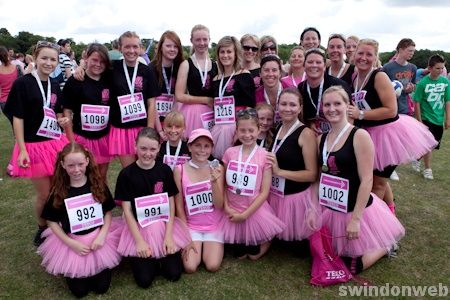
[247, 112]
[47, 44]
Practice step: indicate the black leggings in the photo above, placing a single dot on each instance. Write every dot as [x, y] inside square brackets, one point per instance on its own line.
[146, 269]
[98, 283]
[242, 249]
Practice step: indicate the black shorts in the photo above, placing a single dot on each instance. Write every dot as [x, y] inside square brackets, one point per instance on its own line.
[386, 172]
[436, 130]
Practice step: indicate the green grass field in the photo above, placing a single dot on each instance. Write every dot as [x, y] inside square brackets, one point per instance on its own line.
[422, 206]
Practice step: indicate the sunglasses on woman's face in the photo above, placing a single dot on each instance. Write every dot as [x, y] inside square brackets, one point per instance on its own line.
[250, 48]
[271, 47]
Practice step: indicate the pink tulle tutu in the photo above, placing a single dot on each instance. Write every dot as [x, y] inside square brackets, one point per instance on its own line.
[98, 147]
[400, 142]
[122, 140]
[154, 235]
[260, 227]
[380, 229]
[60, 259]
[223, 137]
[192, 119]
[293, 210]
[42, 158]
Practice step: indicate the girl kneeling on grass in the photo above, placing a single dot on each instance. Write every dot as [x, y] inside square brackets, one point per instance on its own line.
[250, 222]
[153, 237]
[361, 224]
[200, 202]
[81, 241]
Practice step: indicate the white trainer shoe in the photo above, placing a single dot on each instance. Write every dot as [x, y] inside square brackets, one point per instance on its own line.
[394, 176]
[416, 165]
[428, 174]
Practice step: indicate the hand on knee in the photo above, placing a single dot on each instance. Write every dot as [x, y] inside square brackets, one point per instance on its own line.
[190, 268]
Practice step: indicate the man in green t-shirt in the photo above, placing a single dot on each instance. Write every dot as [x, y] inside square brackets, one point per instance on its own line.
[432, 106]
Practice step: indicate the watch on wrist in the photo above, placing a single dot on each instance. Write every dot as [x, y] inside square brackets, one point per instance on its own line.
[361, 115]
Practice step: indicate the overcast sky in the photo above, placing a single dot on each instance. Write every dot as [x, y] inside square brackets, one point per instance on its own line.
[388, 21]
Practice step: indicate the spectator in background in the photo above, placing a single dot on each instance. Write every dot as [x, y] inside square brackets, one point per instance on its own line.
[73, 60]
[19, 61]
[115, 54]
[64, 60]
[8, 73]
[400, 69]
[11, 54]
[29, 61]
[144, 54]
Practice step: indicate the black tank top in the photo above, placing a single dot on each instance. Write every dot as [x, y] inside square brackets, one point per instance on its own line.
[194, 81]
[342, 163]
[290, 157]
[373, 100]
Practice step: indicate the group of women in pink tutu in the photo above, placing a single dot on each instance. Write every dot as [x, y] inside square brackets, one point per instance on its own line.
[240, 164]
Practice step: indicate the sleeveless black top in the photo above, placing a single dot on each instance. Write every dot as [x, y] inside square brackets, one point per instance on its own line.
[373, 100]
[194, 81]
[289, 157]
[342, 163]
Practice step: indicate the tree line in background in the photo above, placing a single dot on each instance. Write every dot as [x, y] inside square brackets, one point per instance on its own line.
[24, 41]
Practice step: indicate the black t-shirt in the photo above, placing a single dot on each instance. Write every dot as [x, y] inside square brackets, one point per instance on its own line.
[342, 163]
[59, 215]
[241, 86]
[171, 78]
[146, 83]
[256, 75]
[134, 182]
[290, 157]
[184, 150]
[89, 91]
[25, 102]
[310, 105]
[171, 81]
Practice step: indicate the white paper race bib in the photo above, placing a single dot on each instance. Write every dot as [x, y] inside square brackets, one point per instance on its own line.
[359, 98]
[94, 117]
[171, 160]
[207, 120]
[244, 182]
[153, 208]
[224, 110]
[199, 198]
[84, 212]
[277, 185]
[333, 192]
[49, 127]
[164, 104]
[132, 107]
